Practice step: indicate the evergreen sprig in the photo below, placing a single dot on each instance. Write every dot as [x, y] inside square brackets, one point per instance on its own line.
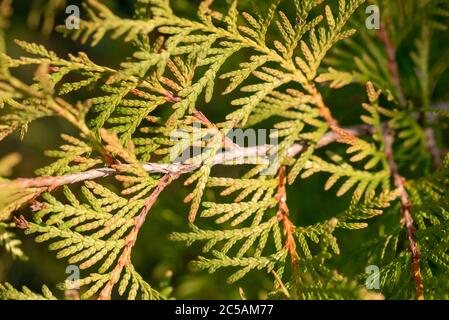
[140, 118]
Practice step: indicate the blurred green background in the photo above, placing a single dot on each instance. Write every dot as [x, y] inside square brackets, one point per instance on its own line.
[154, 254]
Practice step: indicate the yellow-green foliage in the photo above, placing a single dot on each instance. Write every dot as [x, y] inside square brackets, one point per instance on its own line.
[176, 68]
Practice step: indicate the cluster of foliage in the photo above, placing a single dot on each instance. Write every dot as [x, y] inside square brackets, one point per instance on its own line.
[392, 165]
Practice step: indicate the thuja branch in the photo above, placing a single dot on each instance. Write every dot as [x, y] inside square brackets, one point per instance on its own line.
[407, 219]
[322, 107]
[234, 156]
[58, 106]
[432, 146]
[130, 240]
[393, 69]
[228, 143]
[288, 226]
[392, 63]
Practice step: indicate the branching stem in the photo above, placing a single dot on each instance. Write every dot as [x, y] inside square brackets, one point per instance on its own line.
[392, 63]
[287, 224]
[324, 110]
[130, 240]
[407, 219]
[240, 155]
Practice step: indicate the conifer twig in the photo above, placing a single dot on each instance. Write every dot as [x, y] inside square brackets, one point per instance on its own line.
[324, 110]
[430, 119]
[130, 240]
[228, 143]
[239, 155]
[56, 105]
[392, 63]
[281, 285]
[407, 219]
[432, 146]
[288, 226]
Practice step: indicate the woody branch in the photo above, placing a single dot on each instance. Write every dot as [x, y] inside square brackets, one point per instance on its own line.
[407, 219]
[251, 155]
[130, 240]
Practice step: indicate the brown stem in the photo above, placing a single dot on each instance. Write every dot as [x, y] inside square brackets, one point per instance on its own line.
[130, 240]
[429, 119]
[228, 143]
[287, 224]
[392, 63]
[407, 219]
[432, 146]
[21, 222]
[241, 155]
[324, 110]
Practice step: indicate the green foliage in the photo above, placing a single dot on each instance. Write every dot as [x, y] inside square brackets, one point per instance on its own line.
[91, 235]
[8, 238]
[8, 292]
[135, 122]
[10, 243]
